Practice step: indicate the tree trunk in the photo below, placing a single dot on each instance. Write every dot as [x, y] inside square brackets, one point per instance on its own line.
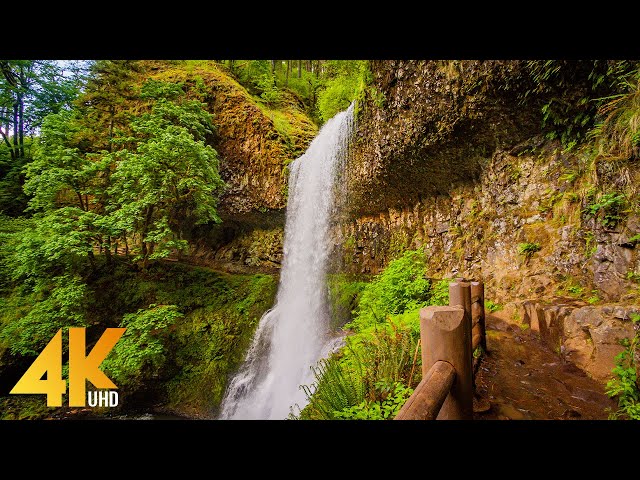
[15, 129]
[107, 251]
[80, 200]
[286, 78]
[111, 121]
[92, 259]
[299, 68]
[21, 127]
[4, 113]
[23, 84]
[145, 227]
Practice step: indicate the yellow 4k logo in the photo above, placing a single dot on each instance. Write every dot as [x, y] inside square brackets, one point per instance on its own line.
[82, 367]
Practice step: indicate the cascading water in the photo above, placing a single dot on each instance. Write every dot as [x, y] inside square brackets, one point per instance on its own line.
[294, 334]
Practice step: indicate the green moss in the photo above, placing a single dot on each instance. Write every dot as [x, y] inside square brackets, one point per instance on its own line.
[24, 407]
[210, 343]
[344, 295]
[398, 244]
[194, 353]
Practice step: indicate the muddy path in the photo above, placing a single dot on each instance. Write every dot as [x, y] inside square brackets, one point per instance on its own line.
[522, 379]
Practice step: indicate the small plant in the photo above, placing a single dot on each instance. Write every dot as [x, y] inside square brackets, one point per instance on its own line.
[491, 307]
[528, 249]
[572, 197]
[635, 239]
[633, 276]
[395, 395]
[609, 207]
[591, 244]
[569, 176]
[575, 290]
[624, 385]
[594, 298]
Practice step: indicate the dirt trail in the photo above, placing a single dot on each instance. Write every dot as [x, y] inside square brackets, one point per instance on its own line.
[522, 379]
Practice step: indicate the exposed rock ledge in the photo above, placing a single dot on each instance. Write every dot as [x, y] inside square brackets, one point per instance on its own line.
[588, 336]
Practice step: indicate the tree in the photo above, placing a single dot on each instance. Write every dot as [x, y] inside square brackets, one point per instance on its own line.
[170, 180]
[105, 106]
[29, 91]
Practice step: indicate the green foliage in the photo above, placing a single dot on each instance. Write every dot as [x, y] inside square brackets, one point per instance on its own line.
[617, 134]
[625, 385]
[344, 296]
[325, 87]
[188, 328]
[590, 245]
[141, 351]
[440, 292]
[41, 271]
[594, 298]
[29, 91]
[23, 407]
[171, 178]
[568, 114]
[372, 376]
[491, 307]
[528, 249]
[160, 180]
[399, 287]
[212, 340]
[346, 79]
[394, 396]
[58, 303]
[338, 387]
[609, 208]
[575, 290]
[381, 355]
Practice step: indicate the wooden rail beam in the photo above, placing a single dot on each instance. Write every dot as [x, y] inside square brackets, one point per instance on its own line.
[430, 394]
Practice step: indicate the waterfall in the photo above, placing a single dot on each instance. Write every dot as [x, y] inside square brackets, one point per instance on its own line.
[295, 334]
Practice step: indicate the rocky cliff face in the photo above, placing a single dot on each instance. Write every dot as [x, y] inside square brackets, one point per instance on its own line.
[255, 143]
[450, 157]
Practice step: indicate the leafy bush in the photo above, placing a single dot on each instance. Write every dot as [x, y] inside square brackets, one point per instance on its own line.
[528, 249]
[625, 384]
[353, 379]
[344, 296]
[141, 351]
[491, 307]
[617, 135]
[57, 304]
[439, 294]
[372, 376]
[399, 287]
[609, 207]
[395, 395]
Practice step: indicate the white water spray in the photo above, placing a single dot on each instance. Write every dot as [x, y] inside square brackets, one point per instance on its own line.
[294, 334]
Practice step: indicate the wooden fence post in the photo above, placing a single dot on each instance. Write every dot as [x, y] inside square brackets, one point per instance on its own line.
[477, 314]
[445, 334]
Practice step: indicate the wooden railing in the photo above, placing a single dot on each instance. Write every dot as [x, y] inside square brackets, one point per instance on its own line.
[449, 336]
